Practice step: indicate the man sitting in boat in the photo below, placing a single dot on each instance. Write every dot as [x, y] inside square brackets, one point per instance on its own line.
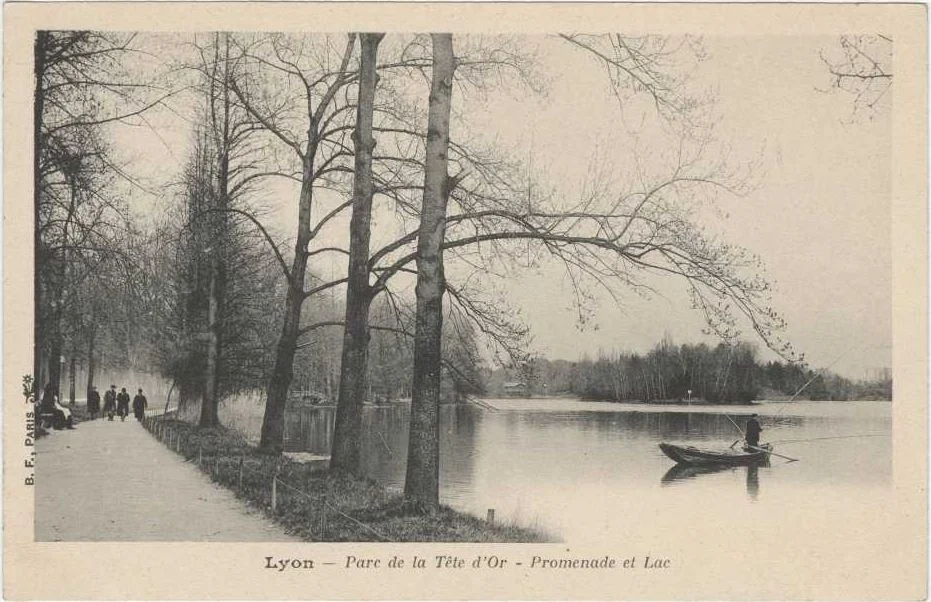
[753, 431]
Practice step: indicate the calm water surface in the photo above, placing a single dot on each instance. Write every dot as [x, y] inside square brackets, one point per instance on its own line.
[587, 471]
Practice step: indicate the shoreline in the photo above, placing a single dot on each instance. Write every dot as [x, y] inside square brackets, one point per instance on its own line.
[677, 403]
[317, 505]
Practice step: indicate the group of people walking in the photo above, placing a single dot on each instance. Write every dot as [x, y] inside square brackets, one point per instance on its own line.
[116, 404]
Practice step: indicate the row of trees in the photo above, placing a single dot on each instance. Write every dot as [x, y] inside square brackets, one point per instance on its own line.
[88, 251]
[362, 126]
[702, 373]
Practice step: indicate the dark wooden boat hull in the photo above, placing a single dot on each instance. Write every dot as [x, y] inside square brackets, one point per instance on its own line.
[693, 456]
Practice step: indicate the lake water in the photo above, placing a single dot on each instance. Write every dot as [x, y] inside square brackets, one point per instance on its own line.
[586, 471]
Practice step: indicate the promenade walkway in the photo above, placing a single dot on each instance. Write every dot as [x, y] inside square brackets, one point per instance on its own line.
[112, 481]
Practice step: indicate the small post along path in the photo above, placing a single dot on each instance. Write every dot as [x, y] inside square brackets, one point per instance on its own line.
[112, 481]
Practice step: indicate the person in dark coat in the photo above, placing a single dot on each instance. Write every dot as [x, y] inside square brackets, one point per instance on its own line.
[753, 431]
[122, 404]
[49, 396]
[140, 403]
[93, 402]
[109, 402]
[61, 416]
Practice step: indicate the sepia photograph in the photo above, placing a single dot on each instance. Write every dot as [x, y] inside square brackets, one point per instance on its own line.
[623, 297]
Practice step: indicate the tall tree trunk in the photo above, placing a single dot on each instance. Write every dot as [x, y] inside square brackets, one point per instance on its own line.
[54, 365]
[277, 393]
[38, 107]
[209, 416]
[91, 364]
[347, 437]
[53, 330]
[422, 483]
[71, 382]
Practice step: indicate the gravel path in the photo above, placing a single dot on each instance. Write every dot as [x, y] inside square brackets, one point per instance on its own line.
[112, 481]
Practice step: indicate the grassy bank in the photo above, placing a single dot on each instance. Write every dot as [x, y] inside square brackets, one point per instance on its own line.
[317, 505]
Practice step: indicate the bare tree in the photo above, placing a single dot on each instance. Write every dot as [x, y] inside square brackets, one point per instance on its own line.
[345, 453]
[177, 260]
[610, 239]
[422, 479]
[318, 157]
[861, 66]
[234, 166]
[81, 85]
[648, 66]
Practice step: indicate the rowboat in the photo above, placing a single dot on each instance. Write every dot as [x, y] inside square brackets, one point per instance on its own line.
[693, 456]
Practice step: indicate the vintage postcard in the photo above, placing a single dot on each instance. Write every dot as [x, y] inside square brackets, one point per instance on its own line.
[465, 301]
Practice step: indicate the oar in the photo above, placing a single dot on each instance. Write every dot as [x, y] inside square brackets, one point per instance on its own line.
[772, 453]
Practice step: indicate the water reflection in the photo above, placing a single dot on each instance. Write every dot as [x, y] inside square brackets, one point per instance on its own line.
[681, 473]
[753, 482]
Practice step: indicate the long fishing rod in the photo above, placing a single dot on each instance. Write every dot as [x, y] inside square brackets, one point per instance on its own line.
[736, 426]
[809, 381]
[834, 437]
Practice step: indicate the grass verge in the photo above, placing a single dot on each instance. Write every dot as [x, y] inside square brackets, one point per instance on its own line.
[317, 505]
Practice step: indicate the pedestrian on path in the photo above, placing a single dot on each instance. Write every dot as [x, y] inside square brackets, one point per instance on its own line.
[60, 415]
[122, 404]
[93, 402]
[109, 402]
[140, 403]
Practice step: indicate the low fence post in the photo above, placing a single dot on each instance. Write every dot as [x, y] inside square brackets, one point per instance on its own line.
[274, 492]
[490, 517]
[170, 433]
[216, 466]
[200, 456]
[241, 462]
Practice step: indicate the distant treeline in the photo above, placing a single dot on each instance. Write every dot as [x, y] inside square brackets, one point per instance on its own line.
[720, 374]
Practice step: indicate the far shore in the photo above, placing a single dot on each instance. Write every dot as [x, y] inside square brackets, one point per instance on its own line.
[665, 402]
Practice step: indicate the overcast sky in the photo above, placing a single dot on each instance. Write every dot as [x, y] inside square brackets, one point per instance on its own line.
[818, 216]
